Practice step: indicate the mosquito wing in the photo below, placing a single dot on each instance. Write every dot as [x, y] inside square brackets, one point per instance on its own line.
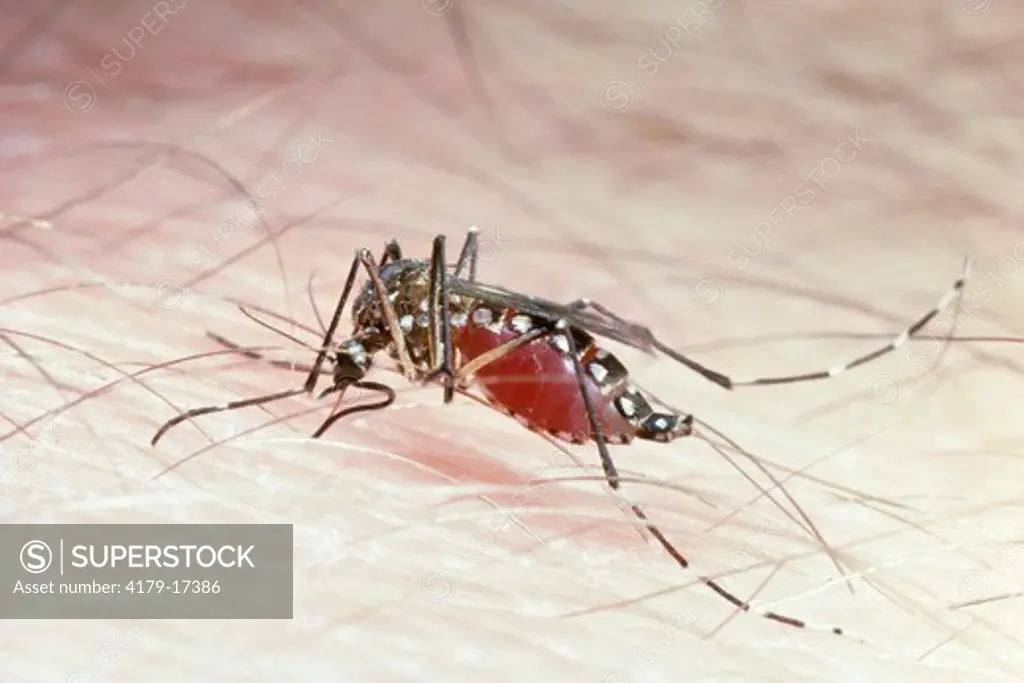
[630, 334]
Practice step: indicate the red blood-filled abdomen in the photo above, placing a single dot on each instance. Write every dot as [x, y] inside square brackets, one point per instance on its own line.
[537, 383]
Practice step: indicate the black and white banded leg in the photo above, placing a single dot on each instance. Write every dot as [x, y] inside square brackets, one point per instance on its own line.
[562, 328]
[442, 358]
[332, 327]
[723, 380]
[439, 307]
[612, 476]
[365, 259]
[392, 253]
[466, 267]
[387, 392]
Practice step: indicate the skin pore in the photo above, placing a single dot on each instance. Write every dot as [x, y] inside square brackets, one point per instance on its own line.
[731, 174]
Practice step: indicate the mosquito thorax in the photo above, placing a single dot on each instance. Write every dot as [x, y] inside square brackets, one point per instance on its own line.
[406, 284]
[404, 278]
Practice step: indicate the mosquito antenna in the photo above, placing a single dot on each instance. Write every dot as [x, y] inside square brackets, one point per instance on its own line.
[268, 326]
[312, 303]
[272, 314]
[392, 253]
[251, 352]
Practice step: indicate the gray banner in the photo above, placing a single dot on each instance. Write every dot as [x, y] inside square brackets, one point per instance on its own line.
[146, 571]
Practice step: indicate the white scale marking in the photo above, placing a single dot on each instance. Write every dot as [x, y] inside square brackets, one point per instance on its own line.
[627, 406]
[598, 372]
[521, 323]
[560, 342]
[483, 317]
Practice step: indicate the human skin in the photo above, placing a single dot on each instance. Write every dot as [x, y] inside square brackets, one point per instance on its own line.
[787, 169]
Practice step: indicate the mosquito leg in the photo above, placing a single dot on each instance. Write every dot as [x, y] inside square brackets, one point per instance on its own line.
[670, 434]
[612, 475]
[611, 472]
[362, 257]
[468, 368]
[956, 292]
[233, 405]
[406, 366]
[465, 269]
[248, 353]
[314, 372]
[439, 309]
[392, 253]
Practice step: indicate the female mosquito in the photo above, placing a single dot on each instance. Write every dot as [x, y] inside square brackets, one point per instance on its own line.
[534, 359]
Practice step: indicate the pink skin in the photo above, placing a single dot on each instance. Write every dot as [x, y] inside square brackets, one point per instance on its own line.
[714, 196]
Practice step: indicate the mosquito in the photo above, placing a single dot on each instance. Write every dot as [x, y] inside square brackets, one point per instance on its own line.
[534, 359]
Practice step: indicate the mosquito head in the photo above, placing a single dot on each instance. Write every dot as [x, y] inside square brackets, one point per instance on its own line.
[351, 362]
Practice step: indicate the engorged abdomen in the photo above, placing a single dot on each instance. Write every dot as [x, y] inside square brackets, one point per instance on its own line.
[537, 383]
